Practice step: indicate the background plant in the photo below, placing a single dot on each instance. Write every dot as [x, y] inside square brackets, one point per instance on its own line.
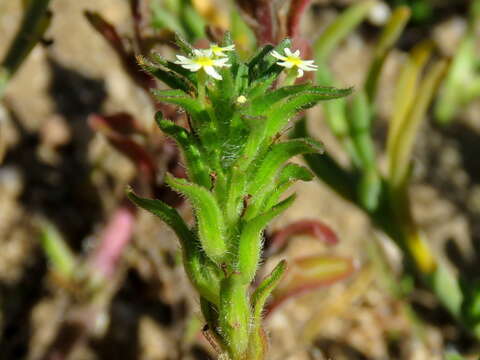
[385, 198]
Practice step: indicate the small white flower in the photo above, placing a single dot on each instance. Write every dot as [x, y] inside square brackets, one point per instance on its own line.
[203, 59]
[293, 60]
[220, 51]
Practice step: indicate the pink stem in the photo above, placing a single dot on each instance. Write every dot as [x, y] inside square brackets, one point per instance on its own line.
[297, 9]
[114, 239]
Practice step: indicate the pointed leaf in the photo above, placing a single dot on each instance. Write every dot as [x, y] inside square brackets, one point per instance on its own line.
[251, 240]
[281, 113]
[390, 34]
[199, 269]
[264, 103]
[277, 156]
[259, 298]
[197, 170]
[400, 152]
[183, 44]
[340, 28]
[211, 227]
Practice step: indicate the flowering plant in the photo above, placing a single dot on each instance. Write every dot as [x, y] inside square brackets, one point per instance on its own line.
[237, 172]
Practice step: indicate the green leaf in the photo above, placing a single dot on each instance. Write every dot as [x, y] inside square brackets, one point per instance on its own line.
[164, 19]
[276, 157]
[160, 60]
[194, 23]
[281, 113]
[290, 174]
[400, 152]
[201, 271]
[211, 227]
[407, 89]
[58, 254]
[390, 34]
[183, 44]
[340, 28]
[197, 170]
[251, 240]
[256, 343]
[266, 101]
[168, 77]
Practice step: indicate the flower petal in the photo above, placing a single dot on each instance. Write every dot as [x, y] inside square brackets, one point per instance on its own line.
[299, 73]
[277, 55]
[286, 64]
[296, 53]
[288, 52]
[192, 67]
[212, 72]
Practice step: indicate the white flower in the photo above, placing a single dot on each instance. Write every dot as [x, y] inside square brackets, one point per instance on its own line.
[220, 51]
[203, 59]
[291, 60]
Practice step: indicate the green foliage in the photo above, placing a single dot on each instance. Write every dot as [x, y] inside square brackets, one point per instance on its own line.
[384, 197]
[237, 172]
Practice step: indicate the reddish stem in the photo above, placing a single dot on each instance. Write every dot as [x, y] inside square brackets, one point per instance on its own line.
[297, 9]
[278, 240]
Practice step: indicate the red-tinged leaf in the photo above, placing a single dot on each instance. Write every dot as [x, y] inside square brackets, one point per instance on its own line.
[278, 240]
[122, 123]
[135, 9]
[126, 146]
[297, 9]
[128, 59]
[265, 21]
[308, 274]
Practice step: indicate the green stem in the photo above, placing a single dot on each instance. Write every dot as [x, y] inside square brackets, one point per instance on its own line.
[291, 77]
[34, 24]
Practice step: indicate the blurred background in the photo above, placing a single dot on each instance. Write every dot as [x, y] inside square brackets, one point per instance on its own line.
[84, 275]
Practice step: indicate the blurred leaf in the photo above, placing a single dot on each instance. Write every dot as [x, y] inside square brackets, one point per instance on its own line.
[35, 21]
[326, 168]
[389, 36]
[314, 228]
[399, 154]
[124, 144]
[308, 274]
[110, 34]
[57, 252]
[263, 18]
[297, 9]
[340, 28]
[165, 19]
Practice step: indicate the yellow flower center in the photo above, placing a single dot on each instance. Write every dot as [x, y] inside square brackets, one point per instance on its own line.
[204, 61]
[294, 60]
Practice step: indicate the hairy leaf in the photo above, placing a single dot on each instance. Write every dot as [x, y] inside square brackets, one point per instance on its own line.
[211, 228]
[197, 170]
[251, 240]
